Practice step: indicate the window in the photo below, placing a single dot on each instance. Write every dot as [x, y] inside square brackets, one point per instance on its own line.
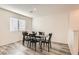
[17, 24]
[13, 24]
[21, 25]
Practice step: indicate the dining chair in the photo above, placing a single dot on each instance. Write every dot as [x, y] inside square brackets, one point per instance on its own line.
[47, 41]
[25, 37]
[33, 40]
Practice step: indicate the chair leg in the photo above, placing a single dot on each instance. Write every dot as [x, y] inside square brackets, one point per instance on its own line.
[48, 47]
[30, 44]
[23, 41]
[41, 47]
[35, 46]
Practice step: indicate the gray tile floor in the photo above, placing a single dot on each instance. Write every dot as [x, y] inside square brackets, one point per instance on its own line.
[18, 49]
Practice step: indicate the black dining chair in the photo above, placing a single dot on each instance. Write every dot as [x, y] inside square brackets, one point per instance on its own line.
[46, 41]
[25, 37]
[42, 34]
[33, 40]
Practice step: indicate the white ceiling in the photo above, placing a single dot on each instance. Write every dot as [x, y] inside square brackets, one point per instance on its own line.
[42, 9]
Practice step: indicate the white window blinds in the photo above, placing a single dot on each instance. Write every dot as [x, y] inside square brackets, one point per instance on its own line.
[17, 24]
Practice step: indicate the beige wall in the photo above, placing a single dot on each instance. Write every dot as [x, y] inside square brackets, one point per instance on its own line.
[74, 20]
[56, 23]
[78, 44]
[6, 36]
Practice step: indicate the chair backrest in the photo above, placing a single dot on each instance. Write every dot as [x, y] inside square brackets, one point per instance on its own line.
[41, 33]
[31, 35]
[25, 33]
[50, 36]
[34, 33]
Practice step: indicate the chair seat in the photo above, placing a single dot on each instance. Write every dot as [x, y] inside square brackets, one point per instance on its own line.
[45, 41]
[34, 40]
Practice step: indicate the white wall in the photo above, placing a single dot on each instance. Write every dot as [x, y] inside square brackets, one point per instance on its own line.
[56, 23]
[6, 36]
